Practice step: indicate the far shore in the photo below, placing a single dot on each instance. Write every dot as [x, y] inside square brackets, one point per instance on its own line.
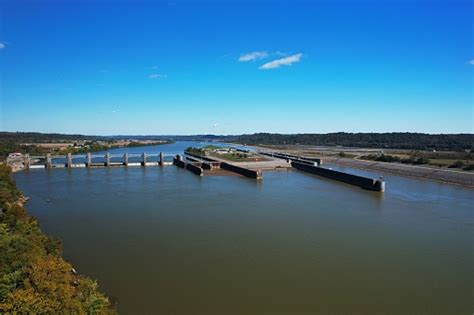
[449, 176]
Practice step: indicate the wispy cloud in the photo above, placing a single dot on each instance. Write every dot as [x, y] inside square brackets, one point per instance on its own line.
[471, 62]
[2, 45]
[256, 55]
[154, 68]
[157, 76]
[286, 61]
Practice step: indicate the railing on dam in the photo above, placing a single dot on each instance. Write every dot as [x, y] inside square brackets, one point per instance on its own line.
[96, 160]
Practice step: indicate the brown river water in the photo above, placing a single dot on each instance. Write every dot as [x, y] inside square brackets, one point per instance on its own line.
[164, 241]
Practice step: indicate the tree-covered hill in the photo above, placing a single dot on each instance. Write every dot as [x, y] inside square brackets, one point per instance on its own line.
[395, 140]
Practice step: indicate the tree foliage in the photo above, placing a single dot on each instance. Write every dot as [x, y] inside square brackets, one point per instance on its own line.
[34, 279]
[395, 140]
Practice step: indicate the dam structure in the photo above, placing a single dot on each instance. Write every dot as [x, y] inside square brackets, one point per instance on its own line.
[96, 160]
[204, 165]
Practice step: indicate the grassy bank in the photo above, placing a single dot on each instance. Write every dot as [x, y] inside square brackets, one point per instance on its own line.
[33, 276]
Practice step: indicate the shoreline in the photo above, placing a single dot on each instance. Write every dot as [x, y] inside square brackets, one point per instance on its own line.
[460, 178]
[40, 280]
[463, 179]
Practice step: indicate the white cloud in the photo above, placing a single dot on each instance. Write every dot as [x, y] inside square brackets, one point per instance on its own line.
[2, 45]
[157, 76]
[253, 56]
[286, 61]
[471, 62]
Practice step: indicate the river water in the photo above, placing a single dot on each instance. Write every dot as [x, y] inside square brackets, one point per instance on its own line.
[162, 240]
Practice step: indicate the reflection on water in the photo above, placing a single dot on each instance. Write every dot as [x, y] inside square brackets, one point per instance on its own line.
[162, 240]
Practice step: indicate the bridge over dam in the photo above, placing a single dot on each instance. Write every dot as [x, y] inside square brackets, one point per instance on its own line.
[96, 160]
[204, 165]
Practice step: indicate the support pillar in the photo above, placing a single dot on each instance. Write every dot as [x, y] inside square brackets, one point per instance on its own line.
[161, 159]
[144, 159]
[107, 159]
[125, 159]
[49, 163]
[69, 160]
[88, 160]
[26, 161]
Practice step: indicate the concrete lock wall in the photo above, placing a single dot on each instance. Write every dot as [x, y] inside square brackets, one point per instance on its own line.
[206, 163]
[189, 158]
[307, 160]
[363, 182]
[194, 169]
[203, 158]
[179, 163]
[210, 166]
[242, 171]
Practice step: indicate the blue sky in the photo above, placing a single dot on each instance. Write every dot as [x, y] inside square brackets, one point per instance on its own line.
[232, 67]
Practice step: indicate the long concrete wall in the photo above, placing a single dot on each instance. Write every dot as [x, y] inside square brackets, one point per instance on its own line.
[204, 158]
[242, 171]
[230, 167]
[307, 160]
[194, 169]
[179, 163]
[356, 180]
[207, 165]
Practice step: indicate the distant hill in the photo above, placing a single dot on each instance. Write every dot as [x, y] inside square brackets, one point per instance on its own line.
[394, 140]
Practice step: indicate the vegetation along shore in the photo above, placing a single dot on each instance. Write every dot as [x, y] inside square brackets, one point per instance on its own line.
[34, 278]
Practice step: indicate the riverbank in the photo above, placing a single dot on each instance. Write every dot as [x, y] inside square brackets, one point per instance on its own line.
[332, 156]
[462, 178]
[34, 278]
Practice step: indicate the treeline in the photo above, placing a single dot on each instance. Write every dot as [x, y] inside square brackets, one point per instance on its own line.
[24, 142]
[395, 140]
[34, 279]
[14, 142]
[36, 137]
